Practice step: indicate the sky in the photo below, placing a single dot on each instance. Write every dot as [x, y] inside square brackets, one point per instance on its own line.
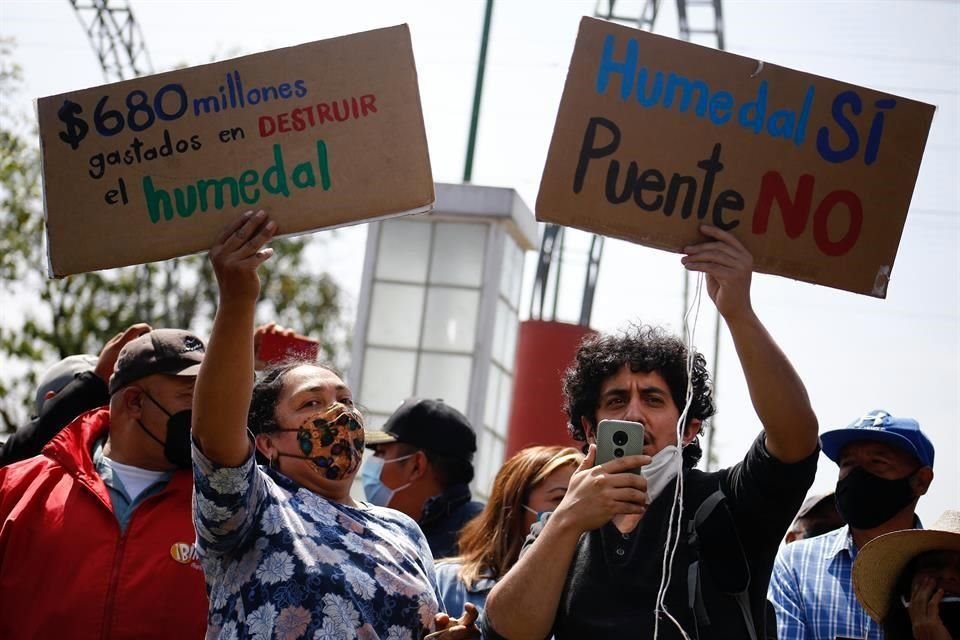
[854, 353]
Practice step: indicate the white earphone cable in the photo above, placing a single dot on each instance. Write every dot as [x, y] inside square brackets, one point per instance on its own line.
[676, 510]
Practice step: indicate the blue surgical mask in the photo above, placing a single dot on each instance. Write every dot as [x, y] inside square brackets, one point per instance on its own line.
[377, 492]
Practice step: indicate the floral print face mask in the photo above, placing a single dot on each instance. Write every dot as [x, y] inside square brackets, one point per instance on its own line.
[331, 440]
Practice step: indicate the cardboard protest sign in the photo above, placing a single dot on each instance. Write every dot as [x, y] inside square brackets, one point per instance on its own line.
[655, 136]
[322, 134]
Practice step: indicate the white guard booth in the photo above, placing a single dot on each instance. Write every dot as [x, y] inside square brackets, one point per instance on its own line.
[438, 312]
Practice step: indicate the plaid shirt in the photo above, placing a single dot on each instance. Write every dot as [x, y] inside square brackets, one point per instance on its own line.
[812, 590]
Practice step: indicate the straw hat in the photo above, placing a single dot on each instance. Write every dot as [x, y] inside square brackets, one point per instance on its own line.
[881, 561]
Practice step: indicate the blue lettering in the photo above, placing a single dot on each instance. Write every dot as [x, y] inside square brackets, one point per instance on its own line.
[720, 104]
[801, 133]
[656, 91]
[752, 114]
[687, 87]
[627, 69]
[782, 124]
[824, 148]
[876, 131]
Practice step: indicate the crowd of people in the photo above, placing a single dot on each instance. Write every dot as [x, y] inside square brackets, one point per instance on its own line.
[172, 488]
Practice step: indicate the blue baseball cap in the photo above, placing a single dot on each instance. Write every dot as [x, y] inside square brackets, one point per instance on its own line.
[880, 426]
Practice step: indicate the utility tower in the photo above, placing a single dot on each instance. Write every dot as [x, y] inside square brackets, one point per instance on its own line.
[115, 36]
[706, 14]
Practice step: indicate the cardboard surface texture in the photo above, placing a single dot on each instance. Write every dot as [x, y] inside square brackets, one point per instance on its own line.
[322, 135]
[655, 136]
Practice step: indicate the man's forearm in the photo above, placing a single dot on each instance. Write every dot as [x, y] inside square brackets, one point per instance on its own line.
[776, 390]
[523, 604]
[83, 393]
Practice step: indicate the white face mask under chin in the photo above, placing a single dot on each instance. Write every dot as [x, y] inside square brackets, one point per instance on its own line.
[661, 471]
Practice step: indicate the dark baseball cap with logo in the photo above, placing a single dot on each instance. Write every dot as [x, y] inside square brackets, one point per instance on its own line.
[169, 351]
[428, 424]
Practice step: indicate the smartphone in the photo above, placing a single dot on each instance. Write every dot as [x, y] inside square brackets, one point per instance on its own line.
[277, 347]
[618, 438]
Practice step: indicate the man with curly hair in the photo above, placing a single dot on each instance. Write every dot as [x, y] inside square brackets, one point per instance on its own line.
[617, 559]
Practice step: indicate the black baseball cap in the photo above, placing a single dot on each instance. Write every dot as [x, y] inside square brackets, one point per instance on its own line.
[428, 424]
[169, 351]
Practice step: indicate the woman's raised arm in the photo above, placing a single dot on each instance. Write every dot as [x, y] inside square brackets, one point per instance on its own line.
[222, 397]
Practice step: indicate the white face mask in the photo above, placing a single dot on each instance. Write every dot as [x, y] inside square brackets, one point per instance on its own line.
[661, 471]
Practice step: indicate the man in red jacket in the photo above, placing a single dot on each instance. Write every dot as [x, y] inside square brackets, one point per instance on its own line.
[96, 534]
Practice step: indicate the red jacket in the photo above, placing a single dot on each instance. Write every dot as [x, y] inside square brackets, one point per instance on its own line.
[66, 571]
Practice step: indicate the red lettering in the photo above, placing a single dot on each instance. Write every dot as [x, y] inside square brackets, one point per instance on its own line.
[367, 103]
[794, 212]
[336, 110]
[820, 216]
[297, 117]
[324, 110]
[283, 122]
[267, 126]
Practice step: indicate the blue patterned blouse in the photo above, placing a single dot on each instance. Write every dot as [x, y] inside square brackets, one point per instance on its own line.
[283, 562]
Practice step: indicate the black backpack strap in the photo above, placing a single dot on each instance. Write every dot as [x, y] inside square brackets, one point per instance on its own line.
[694, 572]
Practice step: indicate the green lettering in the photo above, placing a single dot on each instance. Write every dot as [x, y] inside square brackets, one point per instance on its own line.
[324, 165]
[303, 176]
[277, 175]
[219, 186]
[186, 209]
[158, 201]
[249, 179]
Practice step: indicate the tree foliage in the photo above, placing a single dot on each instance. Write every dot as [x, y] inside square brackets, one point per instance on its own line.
[42, 321]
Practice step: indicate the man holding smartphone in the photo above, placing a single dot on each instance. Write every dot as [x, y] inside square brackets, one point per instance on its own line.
[595, 567]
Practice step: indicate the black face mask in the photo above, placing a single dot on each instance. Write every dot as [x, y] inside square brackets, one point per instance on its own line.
[866, 501]
[176, 448]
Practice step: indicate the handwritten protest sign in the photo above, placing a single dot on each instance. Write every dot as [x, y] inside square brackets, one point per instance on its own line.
[322, 134]
[655, 137]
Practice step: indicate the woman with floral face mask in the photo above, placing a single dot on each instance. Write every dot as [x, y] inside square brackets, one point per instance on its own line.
[286, 551]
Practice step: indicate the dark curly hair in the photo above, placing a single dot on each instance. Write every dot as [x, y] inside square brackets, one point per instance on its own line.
[645, 348]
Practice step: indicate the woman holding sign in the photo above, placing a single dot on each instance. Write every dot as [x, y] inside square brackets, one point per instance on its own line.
[286, 551]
